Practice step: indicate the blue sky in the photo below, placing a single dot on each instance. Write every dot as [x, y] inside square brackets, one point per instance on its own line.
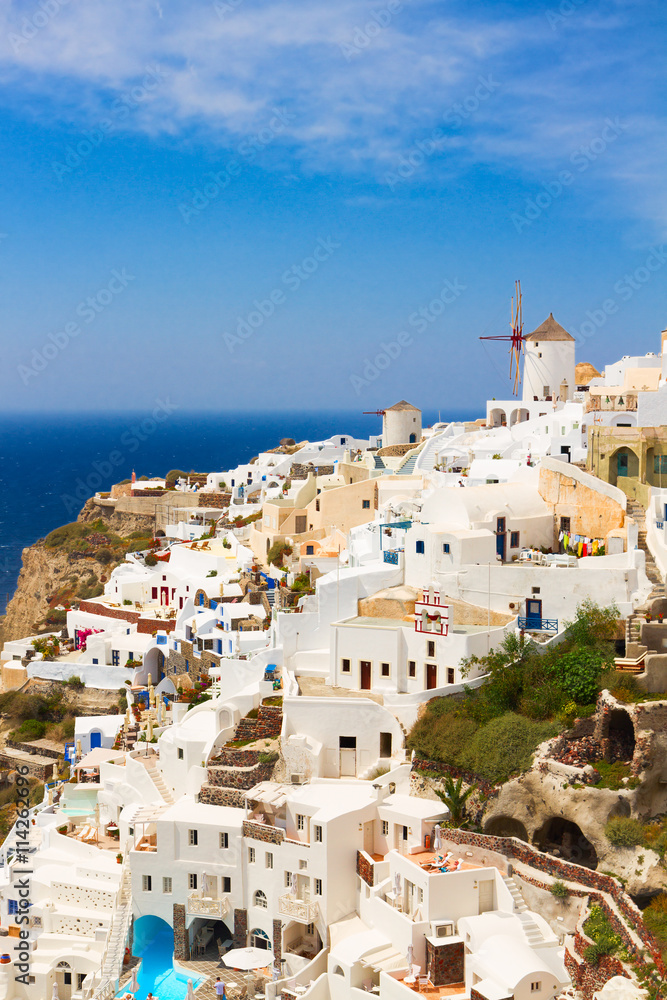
[243, 204]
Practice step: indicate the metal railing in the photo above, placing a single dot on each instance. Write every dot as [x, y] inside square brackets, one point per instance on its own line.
[539, 624]
[302, 910]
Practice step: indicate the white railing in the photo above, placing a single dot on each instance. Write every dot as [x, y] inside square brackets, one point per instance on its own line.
[112, 966]
[298, 909]
[207, 907]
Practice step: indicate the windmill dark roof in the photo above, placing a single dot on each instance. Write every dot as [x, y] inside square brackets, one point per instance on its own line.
[549, 330]
[403, 405]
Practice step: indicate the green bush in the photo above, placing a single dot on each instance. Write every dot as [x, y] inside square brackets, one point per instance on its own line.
[598, 928]
[75, 682]
[505, 746]
[559, 890]
[174, 474]
[104, 556]
[623, 831]
[150, 559]
[30, 729]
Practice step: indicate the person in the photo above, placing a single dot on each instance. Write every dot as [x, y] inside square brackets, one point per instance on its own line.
[220, 988]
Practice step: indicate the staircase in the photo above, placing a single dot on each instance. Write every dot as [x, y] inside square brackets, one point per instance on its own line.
[408, 466]
[638, 514]
[150, 763]
[112, 965]
[520, 905]
[271, 596]
[379, 464]
[532, 932]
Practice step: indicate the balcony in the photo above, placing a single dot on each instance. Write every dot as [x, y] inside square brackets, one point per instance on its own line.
[533, 624]
[205, 906]
[301, 910]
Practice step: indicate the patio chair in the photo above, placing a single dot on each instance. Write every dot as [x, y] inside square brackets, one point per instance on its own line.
[423, 981]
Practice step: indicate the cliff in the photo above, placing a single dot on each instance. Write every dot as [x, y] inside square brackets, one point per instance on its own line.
[74, 569]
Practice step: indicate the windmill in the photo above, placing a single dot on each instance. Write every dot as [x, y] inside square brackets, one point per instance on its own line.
[516, 338]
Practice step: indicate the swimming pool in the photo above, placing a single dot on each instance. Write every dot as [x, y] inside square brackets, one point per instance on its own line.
[154, 944]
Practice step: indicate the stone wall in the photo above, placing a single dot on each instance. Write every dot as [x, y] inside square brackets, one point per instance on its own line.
[215, 796]
[35, 748]
[39, 767]
[181, 938]
[239, 777]
[266, 726]
[445, 962]
[277, 942]
[148, 494]
[213, 499]
[365, 868]
[240, 928]
[263, 832]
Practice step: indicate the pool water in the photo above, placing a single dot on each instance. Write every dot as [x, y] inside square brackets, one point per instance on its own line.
[154, 944]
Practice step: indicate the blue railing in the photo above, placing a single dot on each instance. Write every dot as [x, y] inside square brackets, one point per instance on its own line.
[391, 556]
[660, 524]
[539, 624]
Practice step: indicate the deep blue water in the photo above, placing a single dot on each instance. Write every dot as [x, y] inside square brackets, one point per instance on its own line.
[50, 463]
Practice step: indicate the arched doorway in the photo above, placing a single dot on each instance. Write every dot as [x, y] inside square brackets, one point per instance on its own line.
[619, 737]
[153, 666]
[506, 826]
[623, 464]
[260, 939]
[566, 840]
[498, 418]
[64, 980]
[518, 416]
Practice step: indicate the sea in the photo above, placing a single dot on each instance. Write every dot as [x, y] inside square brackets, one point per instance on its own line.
[51, 462]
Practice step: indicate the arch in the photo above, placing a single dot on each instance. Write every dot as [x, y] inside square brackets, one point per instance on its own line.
[519, 415]
[95, 738]
[618, 735]
[623, 464]
[506, 826]
[259, 939]
[624, 420]
[412, 439]
[566, 840]
[337, 971]
[160, 533]
[259, 899]
[153, 667]
[497, 417]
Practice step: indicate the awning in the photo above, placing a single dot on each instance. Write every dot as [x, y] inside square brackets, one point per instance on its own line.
[385, 959]
[99, 755]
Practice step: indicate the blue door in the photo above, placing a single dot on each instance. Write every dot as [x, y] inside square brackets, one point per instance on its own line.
[500, 537]
[95, 739]
[533, 613]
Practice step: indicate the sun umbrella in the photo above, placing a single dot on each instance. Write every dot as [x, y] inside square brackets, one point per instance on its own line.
[79, 751]
[410, 957]
[134, 983]
[191, 991]
[437, 844]
[160, 709]
[55, 995]
[397, 882]
[248, 958]
[151, 695]
[149, 730]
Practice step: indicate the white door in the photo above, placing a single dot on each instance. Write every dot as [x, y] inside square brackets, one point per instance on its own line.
[348, 763]
[369, 837]
[486, 895]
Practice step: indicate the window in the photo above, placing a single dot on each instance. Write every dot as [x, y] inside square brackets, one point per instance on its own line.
[445, 547]
[147, 883]
[384, 669]
[187, 666]
[303, 864]
[565, 524]
[260, 900]
[317, 505]
[318, 886]
[535, 987]
[310, 549]
[192, 838]
[166, 885]
[318, 834]
[514, 539]
[534, 590]
[545, 390]
[385, 828]
[366, 504]
[115, 658]
[420, 894]
[300, 821]
[269, 859]
[419, 548]
[180, 753]
[224, 840]
[660, 464]
[430, 648]
[345, 666]
[412, 668]
[450, 675]
[251, 855]
[67, 978]
[154, 593]
[226, 883]
[192, 881]
[385, 744]
[12, 906]
[288, 880]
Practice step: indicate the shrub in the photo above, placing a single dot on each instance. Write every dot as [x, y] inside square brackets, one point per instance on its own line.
[75, 682]
[30, 729]
[622, 685]
[505, 746]
[150, 559]
[213, 572]
[126, 601]
[277, 552]
[623, 831]
[175, 474]
[598, 928]
[559, 890]
[104, 556]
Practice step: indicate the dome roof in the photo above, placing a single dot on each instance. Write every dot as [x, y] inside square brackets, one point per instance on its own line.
[549, 330]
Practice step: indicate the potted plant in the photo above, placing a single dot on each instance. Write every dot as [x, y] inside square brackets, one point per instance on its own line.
[119, 858]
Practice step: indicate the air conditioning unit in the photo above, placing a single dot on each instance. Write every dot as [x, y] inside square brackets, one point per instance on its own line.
[442, 928]
[297, 778]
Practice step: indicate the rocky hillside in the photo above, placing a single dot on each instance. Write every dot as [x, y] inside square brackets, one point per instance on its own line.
[71, 564]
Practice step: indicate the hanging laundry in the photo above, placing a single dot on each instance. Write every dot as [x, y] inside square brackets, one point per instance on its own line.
[580, 547]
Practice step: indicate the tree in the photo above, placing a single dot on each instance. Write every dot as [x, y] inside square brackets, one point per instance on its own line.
[455, 798]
